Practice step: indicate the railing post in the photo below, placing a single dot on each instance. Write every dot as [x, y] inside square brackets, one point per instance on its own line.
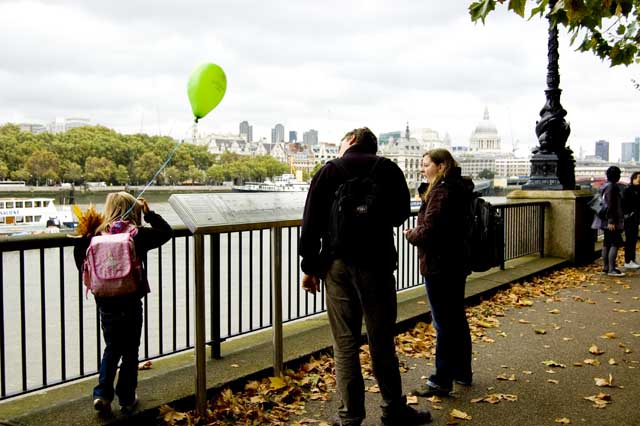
[201, 372]
[276, 276]
[215, 296]
[541, 225]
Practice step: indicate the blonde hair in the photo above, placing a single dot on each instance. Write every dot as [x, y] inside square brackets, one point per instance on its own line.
[439, 156]
[120, 206]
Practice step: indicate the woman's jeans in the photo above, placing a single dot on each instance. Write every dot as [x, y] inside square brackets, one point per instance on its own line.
[453, 342]
[121, 329]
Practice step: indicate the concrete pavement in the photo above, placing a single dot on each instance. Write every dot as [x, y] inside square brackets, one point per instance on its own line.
[558, 329]
[171, 380]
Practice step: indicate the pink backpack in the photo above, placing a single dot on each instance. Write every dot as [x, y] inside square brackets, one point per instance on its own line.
[111, 267]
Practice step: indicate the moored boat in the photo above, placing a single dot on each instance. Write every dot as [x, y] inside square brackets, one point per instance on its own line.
[33, 215]
[283, 183]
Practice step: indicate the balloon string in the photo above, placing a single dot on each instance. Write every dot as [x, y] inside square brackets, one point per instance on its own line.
[175, 148]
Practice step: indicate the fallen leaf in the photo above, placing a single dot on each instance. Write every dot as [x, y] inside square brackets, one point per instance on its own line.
[234, 366]
[457, 414]
[554, 311]
[373, 389]
[540, 331]
[277, 383]
[563, 420]
[609, 335]
[523, 321]
[591, 361]
[555, 382]
[552, 363]
[503, 376]
[145, 365]
[612, 361]
[412, 400]
[604, 382]
[595, 350]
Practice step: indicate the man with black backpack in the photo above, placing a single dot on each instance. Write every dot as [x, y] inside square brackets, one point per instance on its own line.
[347, 239]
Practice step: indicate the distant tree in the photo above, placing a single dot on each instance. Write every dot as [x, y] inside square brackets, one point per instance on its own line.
[146, 166]
[43, 166]
[121, 175]
[173, 175]
[215, 174]
[22, 174]
[486, 174]
[4, 170]
[70, 172]
[610, 28]
[99, 170]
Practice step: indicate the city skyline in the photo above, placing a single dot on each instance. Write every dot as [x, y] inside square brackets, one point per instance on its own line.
[126, 67]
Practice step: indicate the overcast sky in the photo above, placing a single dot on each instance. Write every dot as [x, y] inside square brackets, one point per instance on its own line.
[327, 65]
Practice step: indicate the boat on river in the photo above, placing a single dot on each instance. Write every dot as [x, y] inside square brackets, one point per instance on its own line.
[23, 216]
[284, 183]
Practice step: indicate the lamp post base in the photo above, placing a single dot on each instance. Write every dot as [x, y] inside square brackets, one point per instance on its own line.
[544, 173]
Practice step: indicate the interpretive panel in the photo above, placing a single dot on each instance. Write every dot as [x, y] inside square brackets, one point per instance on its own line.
[206, 213]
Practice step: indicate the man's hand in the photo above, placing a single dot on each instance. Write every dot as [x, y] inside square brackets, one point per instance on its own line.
[611, 227]
[310, 283]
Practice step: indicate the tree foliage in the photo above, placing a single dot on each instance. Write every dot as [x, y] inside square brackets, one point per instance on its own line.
[608, 28]
[96, 153]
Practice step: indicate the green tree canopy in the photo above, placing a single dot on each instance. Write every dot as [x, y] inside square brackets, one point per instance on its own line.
[608, 28]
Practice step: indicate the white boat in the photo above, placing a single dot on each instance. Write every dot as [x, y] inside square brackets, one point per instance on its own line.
[33, 215]
[283, 183]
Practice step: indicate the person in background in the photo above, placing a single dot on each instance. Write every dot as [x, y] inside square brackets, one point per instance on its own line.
[444, 255]
[631, 209]
[359, 281]
[121, 316]
[613, 224]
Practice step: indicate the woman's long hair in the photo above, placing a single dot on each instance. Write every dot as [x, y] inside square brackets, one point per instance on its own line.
[118, 207]
[439, 156]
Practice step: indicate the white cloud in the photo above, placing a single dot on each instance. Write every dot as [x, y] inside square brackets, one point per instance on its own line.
[330, 66]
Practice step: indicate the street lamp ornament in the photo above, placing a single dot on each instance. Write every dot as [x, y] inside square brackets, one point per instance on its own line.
[552, 163]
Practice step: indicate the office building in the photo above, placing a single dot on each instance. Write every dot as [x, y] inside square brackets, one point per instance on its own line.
[293, 136]
[277, 133]
[602, 150]
[630, 151]
[310, 137]
[246, 131]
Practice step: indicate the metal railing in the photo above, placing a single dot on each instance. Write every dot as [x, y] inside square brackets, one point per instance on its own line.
[50, 331]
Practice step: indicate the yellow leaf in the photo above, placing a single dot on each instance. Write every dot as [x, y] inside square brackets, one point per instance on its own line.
[235, 366]
[412, 400]
[540, 331]
[457, 414]
[277, 383]
[609, 335]
[554, 311]
[563, 420]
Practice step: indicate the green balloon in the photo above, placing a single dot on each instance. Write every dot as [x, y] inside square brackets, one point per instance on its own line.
[206, 88]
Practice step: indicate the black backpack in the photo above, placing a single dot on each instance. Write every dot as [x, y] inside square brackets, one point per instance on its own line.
[355, 213]
[485, 235]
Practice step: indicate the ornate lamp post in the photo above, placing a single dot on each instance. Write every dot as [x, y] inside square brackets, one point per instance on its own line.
[552, 163]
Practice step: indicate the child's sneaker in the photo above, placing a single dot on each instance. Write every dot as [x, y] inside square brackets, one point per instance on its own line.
[616, 273]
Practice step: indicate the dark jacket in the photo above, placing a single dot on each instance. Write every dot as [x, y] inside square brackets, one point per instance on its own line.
[441, 232]
[612, 198]
[146, 239]
[379, 248]
[631, 202]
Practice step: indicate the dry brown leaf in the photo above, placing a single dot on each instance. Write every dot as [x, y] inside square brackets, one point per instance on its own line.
[609, 335]
[604, 382]
[595, 350]
[457, 414]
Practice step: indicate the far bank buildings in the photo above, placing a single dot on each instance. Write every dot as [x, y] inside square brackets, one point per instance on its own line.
[483, 153]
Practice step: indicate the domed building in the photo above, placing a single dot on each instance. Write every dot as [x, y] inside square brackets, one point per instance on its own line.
[485, 137]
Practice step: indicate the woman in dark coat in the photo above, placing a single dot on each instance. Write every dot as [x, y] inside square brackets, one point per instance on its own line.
[631, 210]
[443, 250]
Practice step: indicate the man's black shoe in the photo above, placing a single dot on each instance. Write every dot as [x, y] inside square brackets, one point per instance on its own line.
[405, 415]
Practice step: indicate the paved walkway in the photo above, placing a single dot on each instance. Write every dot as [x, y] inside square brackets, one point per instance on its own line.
[540, 356]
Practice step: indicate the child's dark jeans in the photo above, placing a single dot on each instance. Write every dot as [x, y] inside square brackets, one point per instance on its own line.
[121, 328]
